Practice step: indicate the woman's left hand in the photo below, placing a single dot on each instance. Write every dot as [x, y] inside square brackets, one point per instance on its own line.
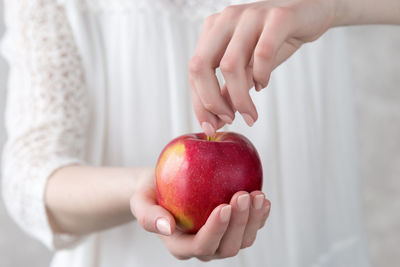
[247, 42]
[229, 227]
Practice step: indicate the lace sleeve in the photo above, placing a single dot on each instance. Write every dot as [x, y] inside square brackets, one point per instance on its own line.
[45, 113]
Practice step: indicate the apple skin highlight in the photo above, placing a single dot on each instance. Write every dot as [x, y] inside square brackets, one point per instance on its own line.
[194, 175]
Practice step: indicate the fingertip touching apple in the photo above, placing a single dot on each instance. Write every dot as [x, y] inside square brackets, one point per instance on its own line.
[196, 173]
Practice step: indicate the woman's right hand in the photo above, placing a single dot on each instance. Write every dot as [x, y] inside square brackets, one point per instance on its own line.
[248, 41]
[229, 228]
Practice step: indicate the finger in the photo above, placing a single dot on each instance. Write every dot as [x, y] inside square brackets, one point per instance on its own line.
[256, 217]
[208, 121]
[232, 239]
[207, 239]
[266, 212]
[225, 94]
[235, 62]
[151, 217]
[252, 82]
[208, 90]
[275, 32]
[211, 45]
[215, 29]
[249, 74]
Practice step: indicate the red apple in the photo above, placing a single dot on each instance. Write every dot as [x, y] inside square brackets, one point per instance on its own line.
[195, 174]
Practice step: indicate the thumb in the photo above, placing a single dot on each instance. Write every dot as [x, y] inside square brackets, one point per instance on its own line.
[151, 216]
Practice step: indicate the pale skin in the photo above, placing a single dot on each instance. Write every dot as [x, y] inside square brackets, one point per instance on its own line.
[247, 42]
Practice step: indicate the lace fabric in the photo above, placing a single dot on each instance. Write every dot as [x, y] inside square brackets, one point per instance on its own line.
[46, 109]
[189, 8]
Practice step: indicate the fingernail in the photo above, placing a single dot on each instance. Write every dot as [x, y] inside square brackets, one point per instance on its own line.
[258, 201]
[225, 213]
[258, 87]
[226, 119]
[163, 226]
[243, 202]
[248, 119]
[208, 128]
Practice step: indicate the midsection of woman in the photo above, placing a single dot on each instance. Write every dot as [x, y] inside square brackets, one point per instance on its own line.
[135, 58]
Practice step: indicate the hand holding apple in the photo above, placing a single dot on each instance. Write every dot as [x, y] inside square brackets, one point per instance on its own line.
[196, 179]
[195, 174]
[229, 227]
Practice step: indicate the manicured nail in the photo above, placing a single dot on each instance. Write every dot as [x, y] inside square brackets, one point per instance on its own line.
[226, 119]
[243, 202]
[248, 119]
[163, 226]
[225, 213]
[208, 128]
[258, 201]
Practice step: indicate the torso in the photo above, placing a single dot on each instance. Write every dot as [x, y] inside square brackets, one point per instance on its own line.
[135, 56]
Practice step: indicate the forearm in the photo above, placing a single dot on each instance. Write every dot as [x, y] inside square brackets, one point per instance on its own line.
[356, 12]
[82, 199]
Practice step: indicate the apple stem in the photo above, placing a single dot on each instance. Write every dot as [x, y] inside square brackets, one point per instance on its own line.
[210, 138]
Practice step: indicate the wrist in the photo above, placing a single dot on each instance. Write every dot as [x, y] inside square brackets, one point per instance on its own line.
[133, 180]
[344, 14]
[357, 12]
[84, 199]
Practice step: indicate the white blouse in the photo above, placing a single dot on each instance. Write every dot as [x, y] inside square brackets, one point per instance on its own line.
[104, 82]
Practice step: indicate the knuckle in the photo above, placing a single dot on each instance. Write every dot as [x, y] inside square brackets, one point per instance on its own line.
[228, 64]
[178, 256]
[204, 259]
[209, 21]
[264, 51]
[197, 65]
[253, 12]
[280, 14]
[230, 12]
[231, 252]
[247, 242]
[200, 251]
[210, 105]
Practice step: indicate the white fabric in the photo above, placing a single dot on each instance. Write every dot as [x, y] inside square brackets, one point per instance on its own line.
[134, 98]
[46, 110]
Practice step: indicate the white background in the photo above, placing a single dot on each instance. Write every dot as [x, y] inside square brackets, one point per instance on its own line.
[375, 60]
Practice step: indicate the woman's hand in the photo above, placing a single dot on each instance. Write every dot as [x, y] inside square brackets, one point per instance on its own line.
[228, 228]
[247, 42]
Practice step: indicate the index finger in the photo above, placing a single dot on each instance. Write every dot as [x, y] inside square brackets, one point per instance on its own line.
[210, 46]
